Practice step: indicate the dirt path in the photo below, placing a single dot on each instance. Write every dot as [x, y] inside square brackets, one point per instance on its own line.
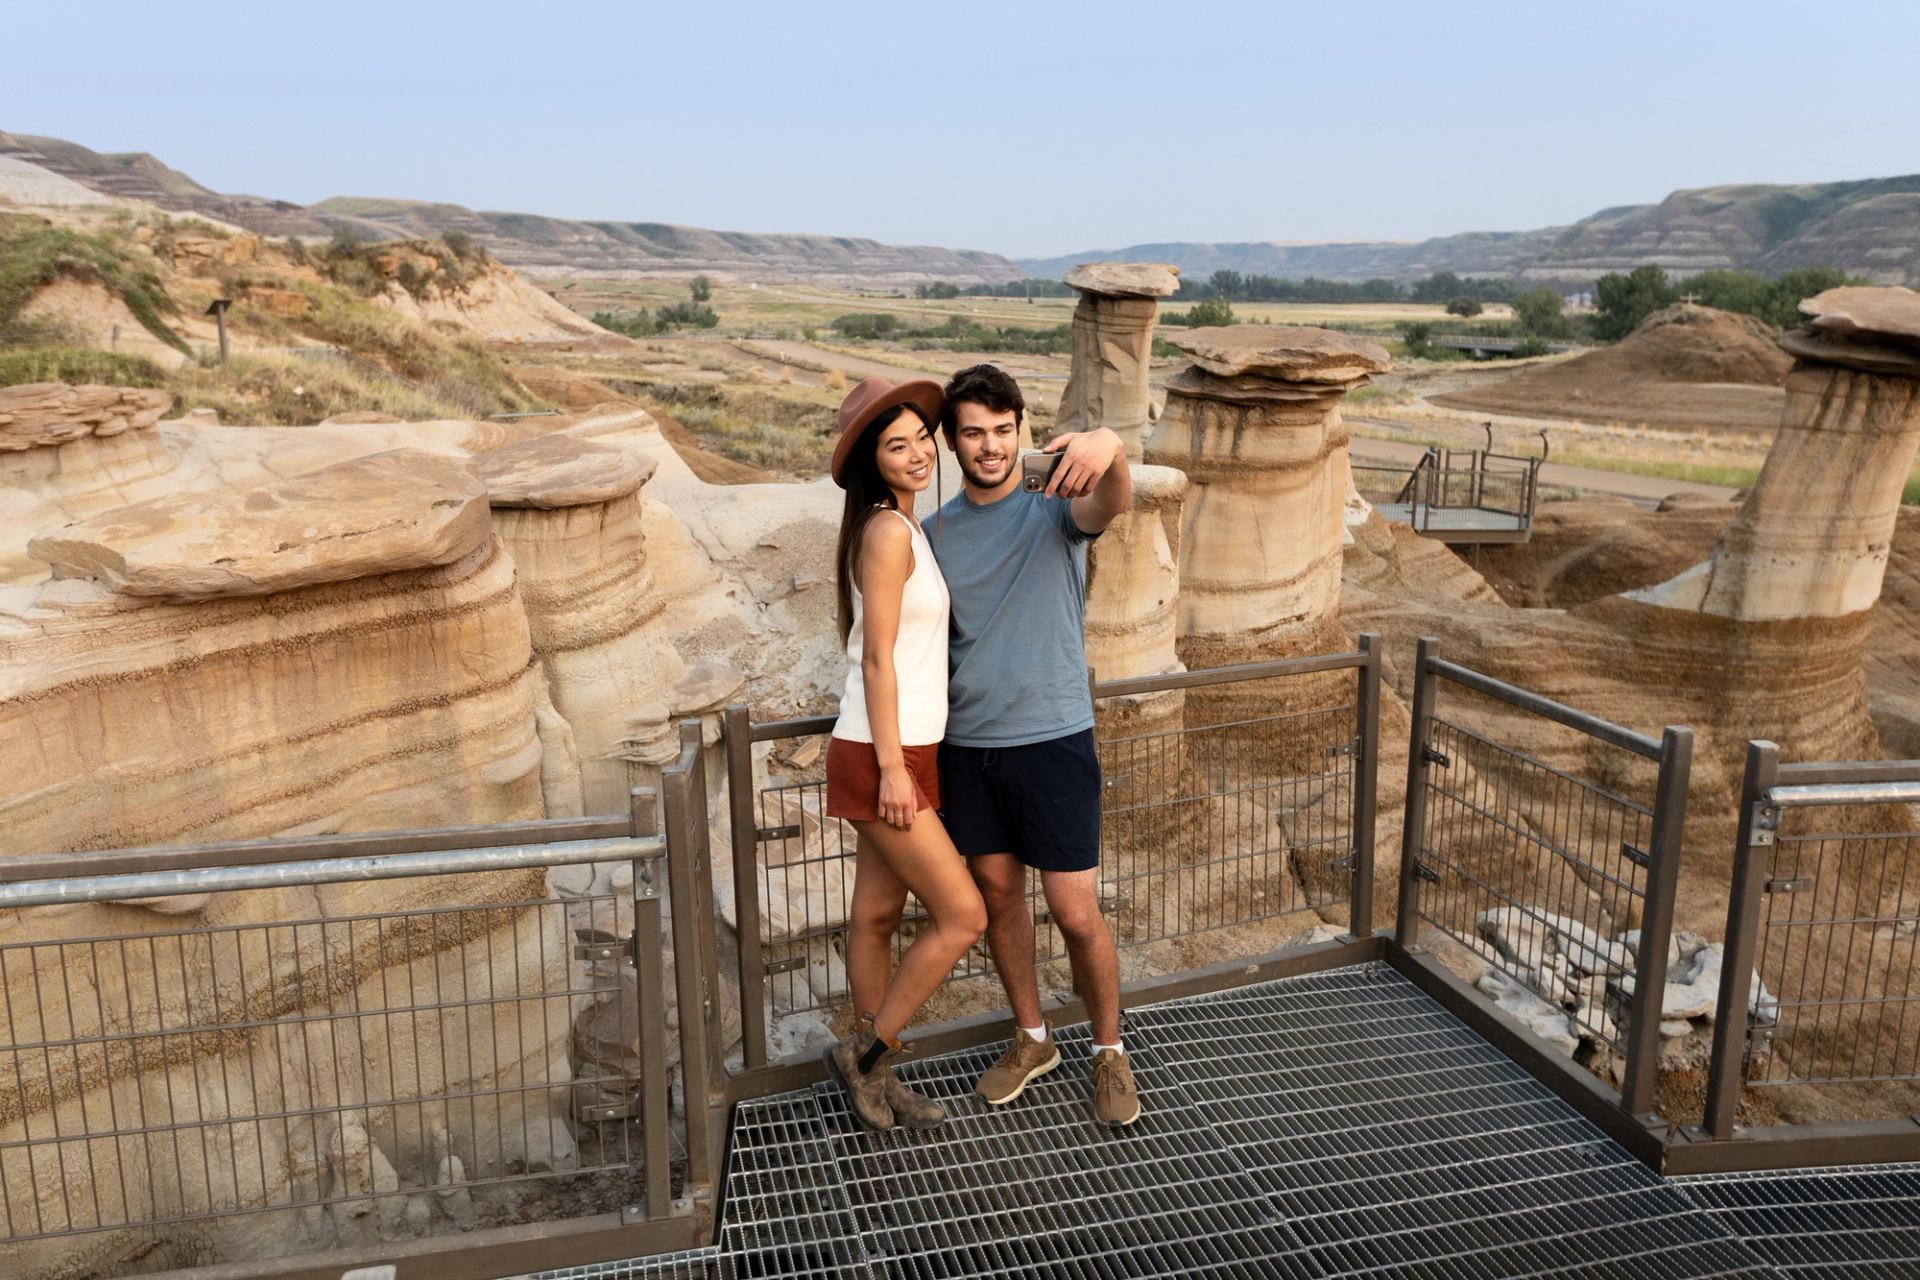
[1625, 484]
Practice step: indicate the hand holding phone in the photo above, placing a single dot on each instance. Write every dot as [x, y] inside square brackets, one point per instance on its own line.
[1036, 469]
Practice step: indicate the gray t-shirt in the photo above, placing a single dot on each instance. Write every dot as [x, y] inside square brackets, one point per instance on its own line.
[1017, 571]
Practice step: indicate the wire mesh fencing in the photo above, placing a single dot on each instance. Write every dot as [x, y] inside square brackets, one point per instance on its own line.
[1822, 928]
[1546, 841]
[1207, 822]
[302, 1055]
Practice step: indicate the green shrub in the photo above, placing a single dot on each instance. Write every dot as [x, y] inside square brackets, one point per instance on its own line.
[635, 324]
[77, 365]
[686, 313]
[33, 254]
[1207, 313]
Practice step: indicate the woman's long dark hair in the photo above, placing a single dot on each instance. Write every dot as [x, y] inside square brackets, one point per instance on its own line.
[866, 494]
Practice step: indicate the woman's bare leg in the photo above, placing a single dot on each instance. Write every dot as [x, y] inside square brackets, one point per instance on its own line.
[925, 861]
[879, 897]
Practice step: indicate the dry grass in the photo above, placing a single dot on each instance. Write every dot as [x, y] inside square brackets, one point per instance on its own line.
[276, 389]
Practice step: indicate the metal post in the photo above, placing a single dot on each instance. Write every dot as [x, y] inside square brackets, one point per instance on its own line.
[1656, 921]
[692, 736]
[1413, 823]
[1732, 1024]
[746, 887]
[684, 808]
[1366, 786]
[648, 956]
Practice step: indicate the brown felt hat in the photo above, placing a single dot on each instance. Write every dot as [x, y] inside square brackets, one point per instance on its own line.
[872, 398]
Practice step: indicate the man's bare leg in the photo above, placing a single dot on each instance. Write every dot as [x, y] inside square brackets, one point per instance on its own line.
[1074, 899]
[1002, 879]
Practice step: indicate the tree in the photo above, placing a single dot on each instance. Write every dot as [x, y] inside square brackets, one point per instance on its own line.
[1417, 335]
[1782, 308]
[1466, 306]
[701, 288]
[1538, 312]
[1226, 284]
[1438, 286]
[1621, 302]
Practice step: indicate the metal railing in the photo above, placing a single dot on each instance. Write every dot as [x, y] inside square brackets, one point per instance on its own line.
[1818, 987]
[240, 1043]
[1205, 826]
[1545, 871]
[1449, 480]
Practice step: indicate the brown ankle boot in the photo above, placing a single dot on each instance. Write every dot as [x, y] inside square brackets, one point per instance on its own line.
[913, 1110]
[866, 1090]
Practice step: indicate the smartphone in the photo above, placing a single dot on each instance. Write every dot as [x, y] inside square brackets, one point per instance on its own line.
[1036, 469]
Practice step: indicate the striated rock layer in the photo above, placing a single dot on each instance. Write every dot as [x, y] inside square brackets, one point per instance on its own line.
[360, 665]
[1255, 424]
[1813, 537]
[569, 510]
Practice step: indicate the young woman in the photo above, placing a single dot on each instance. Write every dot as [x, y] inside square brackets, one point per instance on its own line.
[882, 770]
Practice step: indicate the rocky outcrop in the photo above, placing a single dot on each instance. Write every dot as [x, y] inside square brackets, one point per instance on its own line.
[1112, 345]
[1254, 422]
[347, 521]
[1812, 538]
[361, 661]
[37, 414]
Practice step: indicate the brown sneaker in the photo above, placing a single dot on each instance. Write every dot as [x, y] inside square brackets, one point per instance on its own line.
[866, 1091]
[1116, 1102]
[1025, 1060]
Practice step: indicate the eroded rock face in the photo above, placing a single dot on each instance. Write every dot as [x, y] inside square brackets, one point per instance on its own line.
[36, 414]
[1112, 344]
[1813, 537]
[1255, 424]
[568, 510]
[385, 513]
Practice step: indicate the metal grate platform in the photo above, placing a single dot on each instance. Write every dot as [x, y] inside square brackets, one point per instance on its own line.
[1342, 1124]
[1860, 1223]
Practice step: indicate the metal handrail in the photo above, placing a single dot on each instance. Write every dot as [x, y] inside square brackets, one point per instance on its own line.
[742, 732]
[286, 875]
[1673, 752]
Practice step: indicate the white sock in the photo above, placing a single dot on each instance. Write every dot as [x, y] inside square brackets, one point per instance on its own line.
[1038, 1033]
[1117, 1046]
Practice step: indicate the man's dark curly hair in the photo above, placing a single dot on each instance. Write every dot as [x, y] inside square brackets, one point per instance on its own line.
[983, 384]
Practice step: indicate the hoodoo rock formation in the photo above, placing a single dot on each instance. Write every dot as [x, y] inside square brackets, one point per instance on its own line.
[1255, 423]
[1112, 344]
[1813, 537]
[1134, 569]
[568, 510]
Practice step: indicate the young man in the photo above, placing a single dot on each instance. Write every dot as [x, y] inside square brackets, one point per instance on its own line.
[1019, 781]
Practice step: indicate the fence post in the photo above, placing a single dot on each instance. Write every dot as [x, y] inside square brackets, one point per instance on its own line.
[1656, 921]
[746, 887]
[648, 961]
[1366, 788]
[686, 810]
[1732, 1024]
[1414, 820]
[692, 737]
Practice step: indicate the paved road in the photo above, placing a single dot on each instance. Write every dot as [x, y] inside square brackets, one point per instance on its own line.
[1647, 489]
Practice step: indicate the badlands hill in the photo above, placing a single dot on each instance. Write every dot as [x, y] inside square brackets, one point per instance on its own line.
[1870, 228]
[409, 328]
[1685, 367]
[517, 239]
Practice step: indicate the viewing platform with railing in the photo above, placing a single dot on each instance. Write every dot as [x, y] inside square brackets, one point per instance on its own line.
[1321, 1097]
[1457, 496]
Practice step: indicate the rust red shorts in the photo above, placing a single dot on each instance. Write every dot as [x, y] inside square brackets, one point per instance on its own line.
[853, 778]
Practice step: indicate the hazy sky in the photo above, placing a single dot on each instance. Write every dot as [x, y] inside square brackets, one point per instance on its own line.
[1035, 128]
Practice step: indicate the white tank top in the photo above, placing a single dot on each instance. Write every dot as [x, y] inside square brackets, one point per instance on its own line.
[919, 655]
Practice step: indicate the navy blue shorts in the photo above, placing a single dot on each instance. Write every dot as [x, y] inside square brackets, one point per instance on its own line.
[1040, 802]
